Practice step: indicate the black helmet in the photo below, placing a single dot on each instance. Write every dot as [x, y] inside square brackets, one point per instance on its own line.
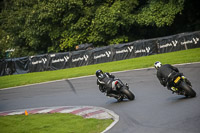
[99, 72]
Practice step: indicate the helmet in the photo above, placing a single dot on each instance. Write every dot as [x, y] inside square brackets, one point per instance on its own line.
[157, 64]
[99, 72]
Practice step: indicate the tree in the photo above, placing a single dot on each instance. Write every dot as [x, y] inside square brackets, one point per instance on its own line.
[44, 26]
[159, 13]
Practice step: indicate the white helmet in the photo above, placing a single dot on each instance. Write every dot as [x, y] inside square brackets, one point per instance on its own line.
[157, 64]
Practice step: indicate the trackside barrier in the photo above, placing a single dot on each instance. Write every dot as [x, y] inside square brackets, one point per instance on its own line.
[97, 55]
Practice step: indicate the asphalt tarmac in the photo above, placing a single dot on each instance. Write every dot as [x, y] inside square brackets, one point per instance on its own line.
[155, 109]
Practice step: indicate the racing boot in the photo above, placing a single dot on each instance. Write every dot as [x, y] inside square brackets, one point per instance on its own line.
[174, 89]
[120, 98]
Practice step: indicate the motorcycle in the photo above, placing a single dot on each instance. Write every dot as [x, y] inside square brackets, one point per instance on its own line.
[182, 86]
[122, 90]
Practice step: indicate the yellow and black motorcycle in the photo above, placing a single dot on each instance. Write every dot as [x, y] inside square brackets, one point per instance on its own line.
[182, 86]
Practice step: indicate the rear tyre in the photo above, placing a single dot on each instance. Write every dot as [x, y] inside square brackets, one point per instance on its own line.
[128, 93]
[189, 92]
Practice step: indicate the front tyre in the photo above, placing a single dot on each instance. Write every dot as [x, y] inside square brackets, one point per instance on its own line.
[128, 94]
[189, 92]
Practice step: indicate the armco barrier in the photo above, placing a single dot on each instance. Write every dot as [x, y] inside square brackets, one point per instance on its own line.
[97, 55]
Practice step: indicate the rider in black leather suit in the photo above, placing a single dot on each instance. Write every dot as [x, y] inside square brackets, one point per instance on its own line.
[166, 72]
[105, 81]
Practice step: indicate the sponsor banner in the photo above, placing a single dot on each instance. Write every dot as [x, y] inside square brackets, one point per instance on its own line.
[169, 44]
[123, 51]
[59, 61]
[100, 55]
[21, 65]
[38, 63]
[79, 58]
[145, 47]
[189, 40]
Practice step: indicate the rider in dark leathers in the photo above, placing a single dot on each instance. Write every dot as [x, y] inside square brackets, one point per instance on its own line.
[106, 82]
[166, 72]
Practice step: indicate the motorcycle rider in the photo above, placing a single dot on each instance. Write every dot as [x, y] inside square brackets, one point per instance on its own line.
[106, 83]
[166, 72]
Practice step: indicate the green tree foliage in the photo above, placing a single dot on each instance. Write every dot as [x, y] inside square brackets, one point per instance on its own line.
[159, 13]
[43, 26]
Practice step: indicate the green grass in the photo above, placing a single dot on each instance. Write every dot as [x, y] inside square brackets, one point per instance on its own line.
[185, 56]
[52, 123]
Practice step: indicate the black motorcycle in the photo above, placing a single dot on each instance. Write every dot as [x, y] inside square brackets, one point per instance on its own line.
[122, 90]
[181, 86]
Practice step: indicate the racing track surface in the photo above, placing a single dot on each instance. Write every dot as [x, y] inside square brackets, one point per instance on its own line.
[155, 109]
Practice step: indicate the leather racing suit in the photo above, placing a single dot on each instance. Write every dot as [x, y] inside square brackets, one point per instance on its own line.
[106, 83]
[164, 74]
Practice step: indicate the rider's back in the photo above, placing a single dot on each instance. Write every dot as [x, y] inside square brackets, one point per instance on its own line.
[165, 70]
[105, 79]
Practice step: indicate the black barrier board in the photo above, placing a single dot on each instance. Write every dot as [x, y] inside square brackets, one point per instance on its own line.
[196, 40]
[101, 55]
[7, 67]
[189, 40]
[169, 44]
[59, 61]
[38, 63]
[145, 47]
[2, 67]
[21, 65]
[79, 58]
[123, 51]
[10, 67]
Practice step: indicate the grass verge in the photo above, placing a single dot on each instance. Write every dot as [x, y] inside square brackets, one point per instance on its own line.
[52, 123]
[185, 56]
